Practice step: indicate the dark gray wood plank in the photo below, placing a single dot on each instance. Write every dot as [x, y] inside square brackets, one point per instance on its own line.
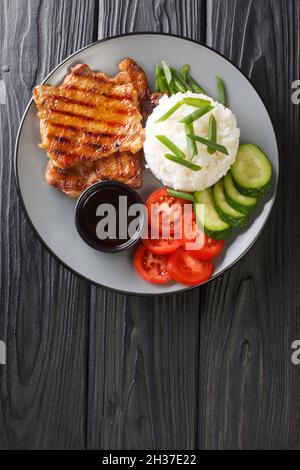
[184, 17]
[249, 389]
[43, 312]
[143, 370]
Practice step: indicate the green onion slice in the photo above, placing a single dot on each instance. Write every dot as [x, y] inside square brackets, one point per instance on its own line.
[183, 162]
[210, 144]
[167, 71]
[212, 133]
[180, 194]
[184, 71]
[195, 86]
[197, 89]
[221, 91]
[161, 85]
[197, 102]
[158, 71]
[192, 147]
[158, 84]
[160, 81]
[178, 85]
[170, 112]
[172, 88]
[181, 79]
[197, 114]
[171, 146]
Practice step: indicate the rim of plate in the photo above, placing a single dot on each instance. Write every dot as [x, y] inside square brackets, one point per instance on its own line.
[73, 271]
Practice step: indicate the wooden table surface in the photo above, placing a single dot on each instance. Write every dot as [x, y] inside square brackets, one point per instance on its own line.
[208, 369]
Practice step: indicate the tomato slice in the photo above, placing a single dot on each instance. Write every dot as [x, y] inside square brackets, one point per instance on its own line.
[165, 213]
[151, 267]
[208, 247]
[162, 246]
[211, 249]
[193, 237]
[188, 270]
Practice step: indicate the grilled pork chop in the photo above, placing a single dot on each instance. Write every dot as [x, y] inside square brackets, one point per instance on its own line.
[92, 115]
[124, 167]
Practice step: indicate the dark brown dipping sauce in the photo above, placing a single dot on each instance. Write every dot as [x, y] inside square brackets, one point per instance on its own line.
[105, 228]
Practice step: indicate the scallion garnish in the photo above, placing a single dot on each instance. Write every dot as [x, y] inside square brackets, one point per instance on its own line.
[221, 91]
[196, 114]
[177, 81]
[196, 102]
[160, 80]
[161, 85]
[171, 146]
[181, 79]
[167, 71]
[212, 134]
[183, 162]
[210, 144]
[192, 147]
[172, 89]
[195, 86]
[171, 111]
[184, 71]
[178, 85]
[180, 194]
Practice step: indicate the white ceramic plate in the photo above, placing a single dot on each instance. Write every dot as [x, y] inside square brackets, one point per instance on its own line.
[52, 214]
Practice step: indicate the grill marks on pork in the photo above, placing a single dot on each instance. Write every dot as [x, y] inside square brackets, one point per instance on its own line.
[92, 126]
[92, 104]
[124, 167]
[67, 150]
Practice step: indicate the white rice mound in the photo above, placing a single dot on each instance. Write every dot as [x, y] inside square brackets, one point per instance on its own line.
[213, 167]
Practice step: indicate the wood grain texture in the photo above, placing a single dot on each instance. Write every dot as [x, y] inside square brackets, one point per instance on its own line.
[184, 17]
[208, 369]
[142, 382]
[143, 370]
[43, 307]
[249, 389]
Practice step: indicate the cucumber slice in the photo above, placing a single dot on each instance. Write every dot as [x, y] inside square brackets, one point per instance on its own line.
[209, 219]
[239, 202]
[225, 211]
[251, 171]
